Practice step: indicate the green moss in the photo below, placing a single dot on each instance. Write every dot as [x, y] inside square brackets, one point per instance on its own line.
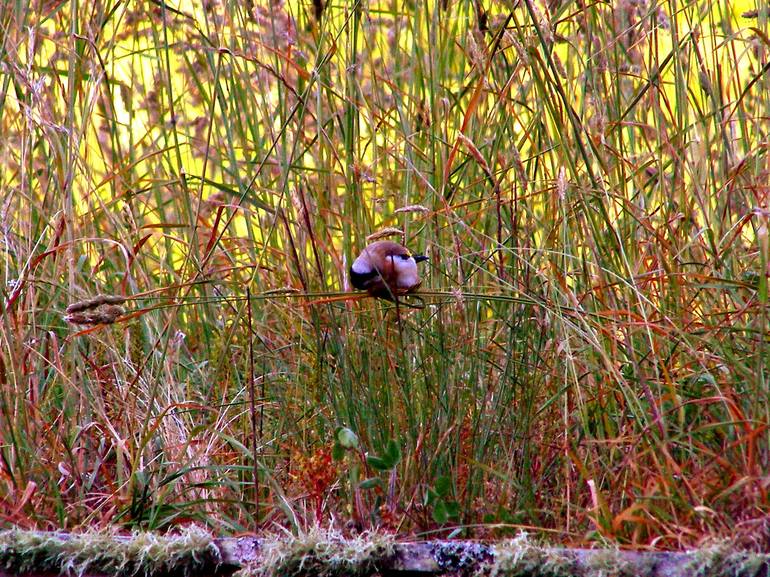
[321, 553]
[518, 557]
[723, 561]
[327, 553]
[611, 563]
[147, 554]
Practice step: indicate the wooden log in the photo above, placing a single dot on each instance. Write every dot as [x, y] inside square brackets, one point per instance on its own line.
[468, 558]
[201, 555]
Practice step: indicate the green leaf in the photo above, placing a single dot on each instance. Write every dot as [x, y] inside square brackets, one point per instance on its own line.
[346, 438]
[370, 483]
[443, 485]
[377, 463]
[440, 514]
[338, 452]
[705, 378]
[393, 453]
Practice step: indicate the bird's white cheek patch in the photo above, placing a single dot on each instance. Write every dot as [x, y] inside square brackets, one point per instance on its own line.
[360, 267]
[407, 273]
[408, 281]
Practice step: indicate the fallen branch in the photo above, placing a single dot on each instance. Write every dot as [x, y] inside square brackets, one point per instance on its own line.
[322, 553]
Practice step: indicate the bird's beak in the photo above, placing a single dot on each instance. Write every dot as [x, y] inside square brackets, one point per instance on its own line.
[420, 257]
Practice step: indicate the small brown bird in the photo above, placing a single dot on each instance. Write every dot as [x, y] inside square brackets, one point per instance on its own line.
[386, 269]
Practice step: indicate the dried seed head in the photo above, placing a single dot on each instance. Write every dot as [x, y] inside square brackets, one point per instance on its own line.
[411, 208]
[561, 183]
[384, 233]
[475, 153]
[518, 165]
[282, 290]
[95, 302]
[518, 46]
[105, 315]
[423, 116]
[559, 65]
[476, 53]
[542, 21]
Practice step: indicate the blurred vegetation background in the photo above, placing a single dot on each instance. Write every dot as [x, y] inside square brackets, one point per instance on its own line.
[589, 179]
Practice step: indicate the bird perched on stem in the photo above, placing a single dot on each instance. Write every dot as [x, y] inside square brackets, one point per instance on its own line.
[386, 270]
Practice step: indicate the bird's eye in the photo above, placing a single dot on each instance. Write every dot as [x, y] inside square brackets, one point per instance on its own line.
[404, 256]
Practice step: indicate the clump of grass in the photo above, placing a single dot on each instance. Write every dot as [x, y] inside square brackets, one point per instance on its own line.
[192, 551]
[321, 552]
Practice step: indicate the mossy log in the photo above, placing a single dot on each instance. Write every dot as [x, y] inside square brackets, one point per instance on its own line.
[196, 553]
[519, 558]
